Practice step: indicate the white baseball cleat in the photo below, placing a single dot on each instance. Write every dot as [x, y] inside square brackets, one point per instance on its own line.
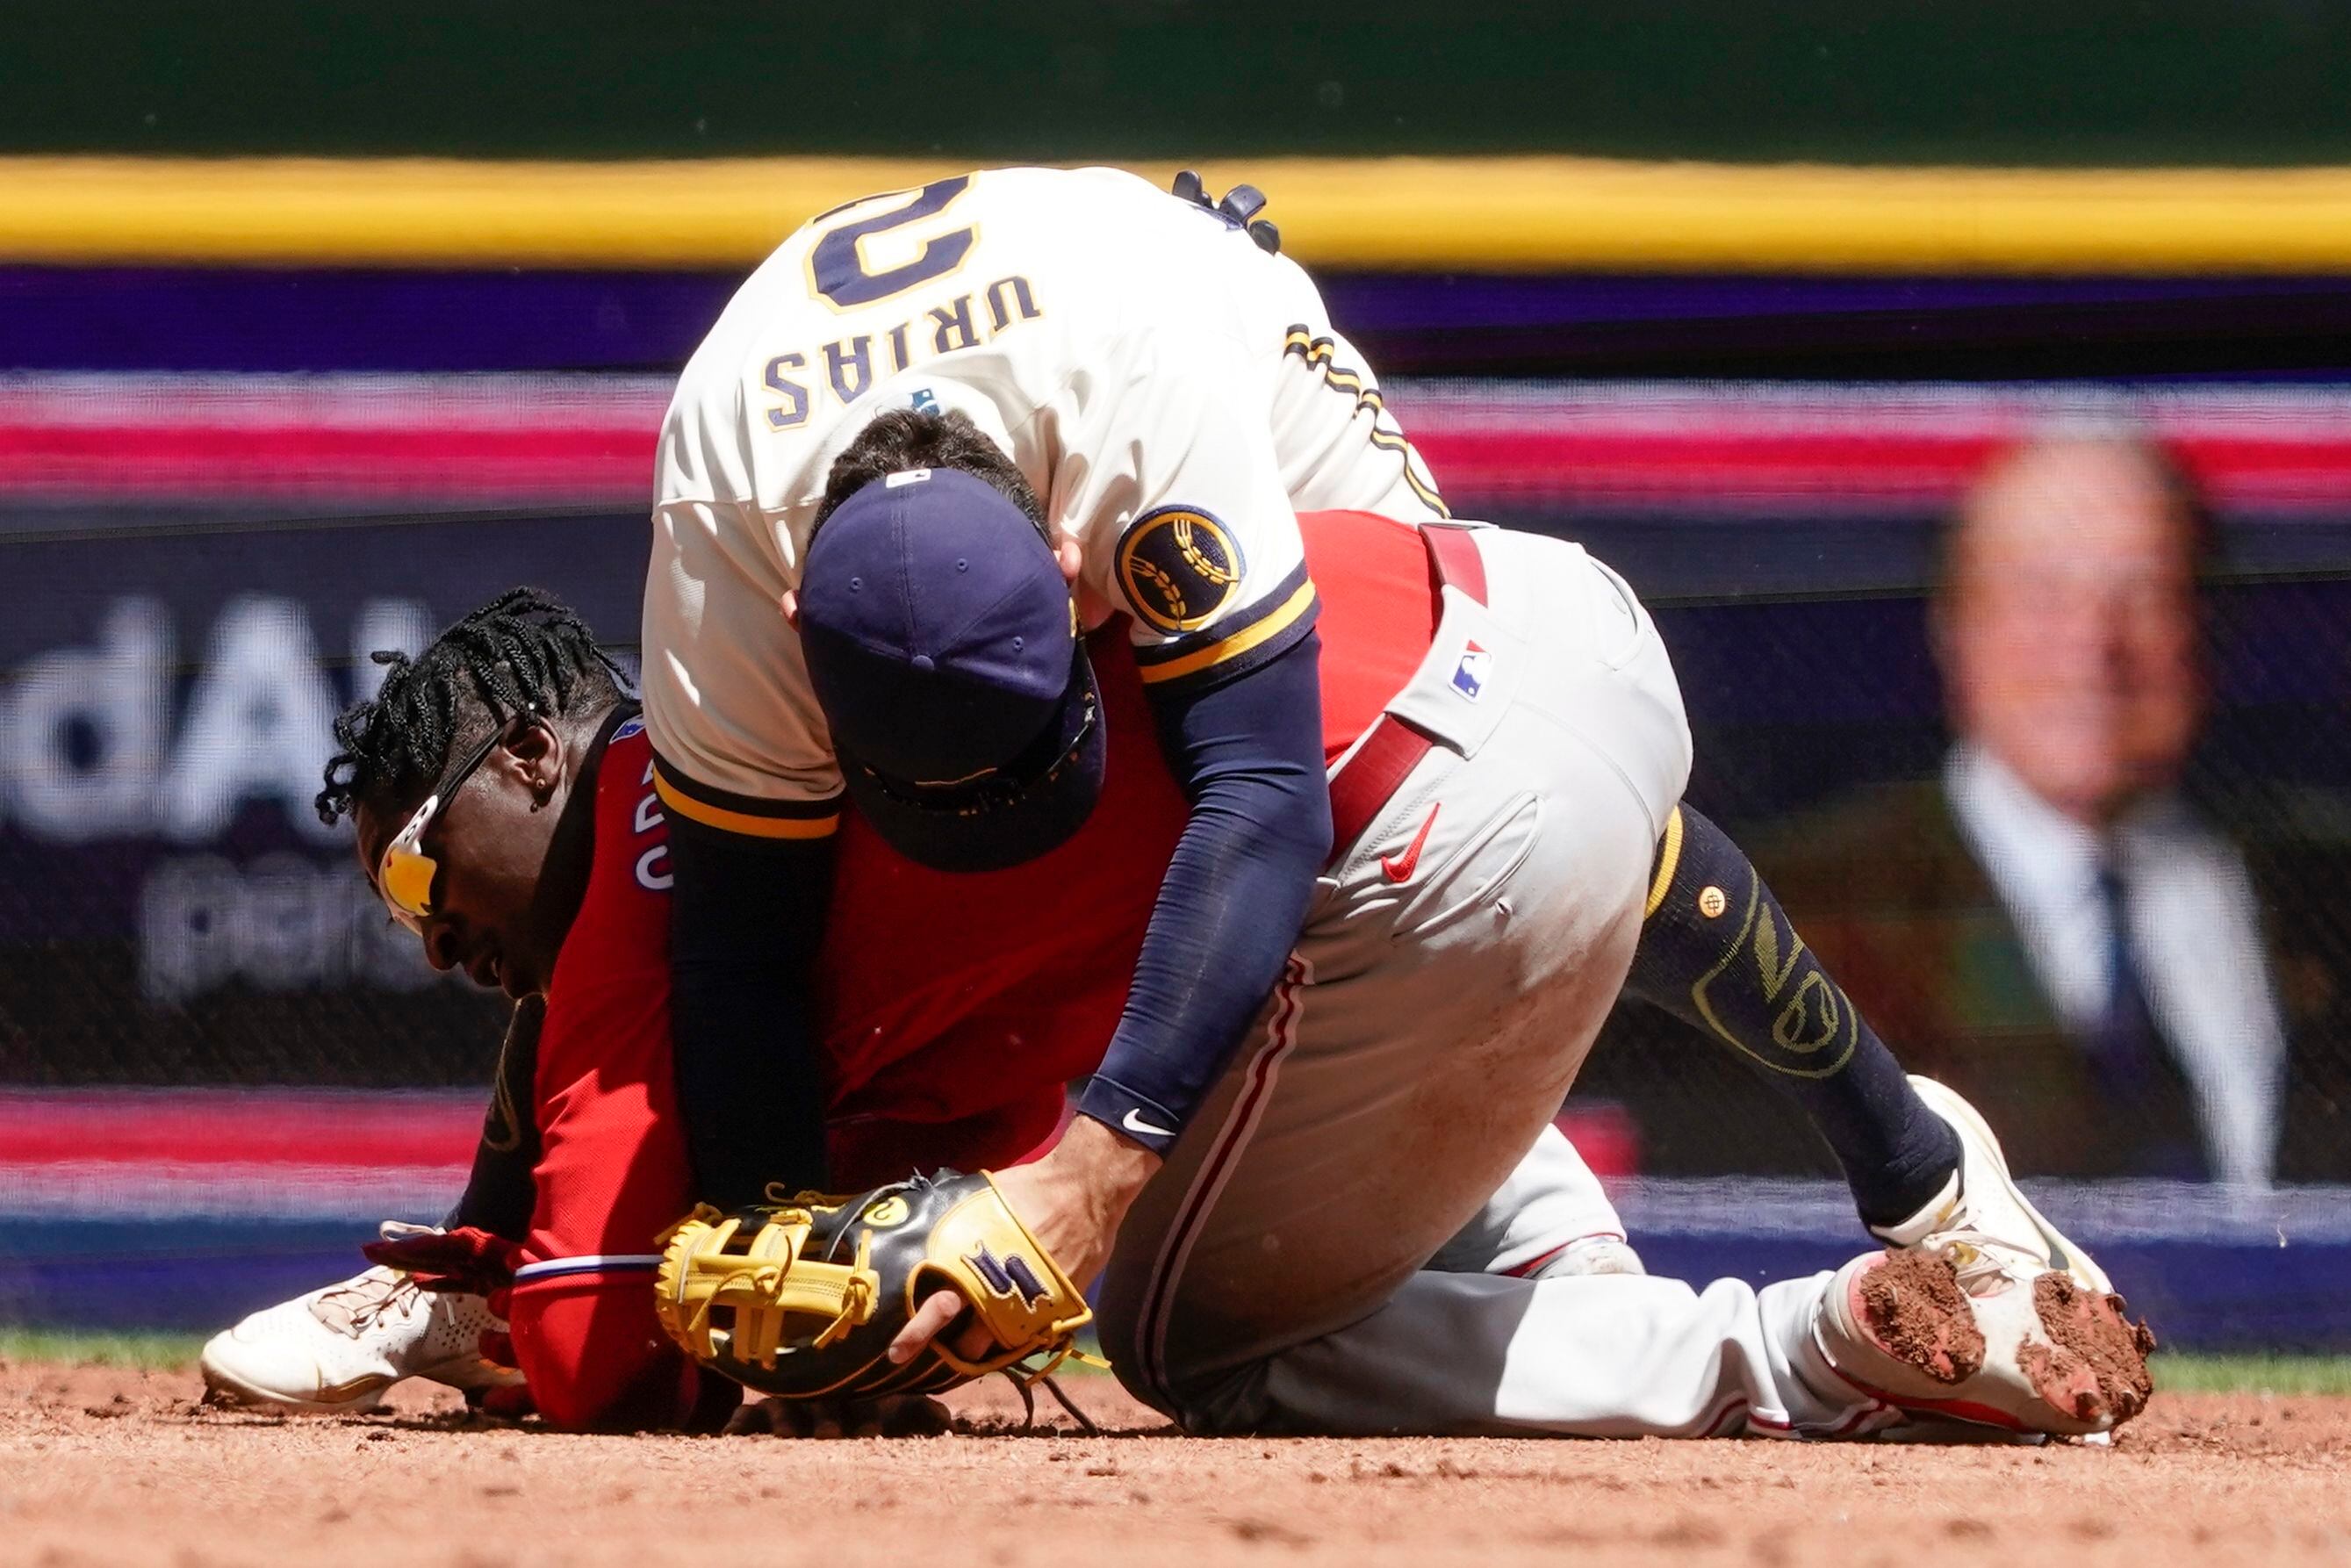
[1980, 1221]
[336, 1350]
[2023, 1352]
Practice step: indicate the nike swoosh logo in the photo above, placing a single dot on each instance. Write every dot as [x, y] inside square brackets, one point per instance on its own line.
[1134, 1122]
[1399, 867]
[357, 1387]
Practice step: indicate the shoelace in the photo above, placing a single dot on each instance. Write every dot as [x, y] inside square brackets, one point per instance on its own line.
[1979, 1259]
[358, 1302]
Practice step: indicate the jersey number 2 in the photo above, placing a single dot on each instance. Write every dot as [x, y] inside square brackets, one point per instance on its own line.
[837, 267]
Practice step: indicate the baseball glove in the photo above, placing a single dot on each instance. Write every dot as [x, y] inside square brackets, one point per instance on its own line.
[800, 1300]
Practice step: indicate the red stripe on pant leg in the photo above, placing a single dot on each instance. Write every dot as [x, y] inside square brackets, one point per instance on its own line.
[1158, 1296]
[1529, 1271]
[1959, 1409]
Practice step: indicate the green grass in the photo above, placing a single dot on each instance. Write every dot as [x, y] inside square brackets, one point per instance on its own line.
[153, 1351]
[2186, 1373]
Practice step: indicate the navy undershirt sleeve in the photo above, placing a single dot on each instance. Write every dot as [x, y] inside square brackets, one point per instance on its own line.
[1248, 753]
[745, 915]
[502, 1189]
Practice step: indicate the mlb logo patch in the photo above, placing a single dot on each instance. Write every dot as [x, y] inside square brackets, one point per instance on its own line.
[1470, 675]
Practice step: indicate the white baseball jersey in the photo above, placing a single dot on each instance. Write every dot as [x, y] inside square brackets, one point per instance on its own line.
[1174, 396]
[1171, 391]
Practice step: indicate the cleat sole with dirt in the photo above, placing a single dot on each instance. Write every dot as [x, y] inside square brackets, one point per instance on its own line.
[2037, 1353]
[2093, 1367]
[1912, 1307]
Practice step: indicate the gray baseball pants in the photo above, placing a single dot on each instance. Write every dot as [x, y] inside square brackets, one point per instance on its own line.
[1391, 1107]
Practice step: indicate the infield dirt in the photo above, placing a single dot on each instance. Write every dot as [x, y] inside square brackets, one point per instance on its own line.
[104, 1466]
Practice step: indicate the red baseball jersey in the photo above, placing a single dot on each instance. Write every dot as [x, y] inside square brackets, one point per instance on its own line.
[954, 1008]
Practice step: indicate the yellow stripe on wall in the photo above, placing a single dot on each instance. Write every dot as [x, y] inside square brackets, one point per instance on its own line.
[1503, 215]
[419, 212]
[1541, 215]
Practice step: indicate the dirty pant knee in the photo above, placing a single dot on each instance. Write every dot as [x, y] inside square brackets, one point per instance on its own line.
[1223, 1402]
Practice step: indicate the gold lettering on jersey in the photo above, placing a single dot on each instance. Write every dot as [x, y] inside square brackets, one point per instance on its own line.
[954, 329]
[794, 410]
[850, 372]
[1002, 296]
[852, 366]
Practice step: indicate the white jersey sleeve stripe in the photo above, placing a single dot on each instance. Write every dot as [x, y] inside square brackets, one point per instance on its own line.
[589, 1263]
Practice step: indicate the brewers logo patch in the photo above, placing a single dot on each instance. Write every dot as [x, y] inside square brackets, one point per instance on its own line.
[1180, 567]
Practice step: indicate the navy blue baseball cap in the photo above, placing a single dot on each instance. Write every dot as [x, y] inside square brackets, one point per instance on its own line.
[943, 647]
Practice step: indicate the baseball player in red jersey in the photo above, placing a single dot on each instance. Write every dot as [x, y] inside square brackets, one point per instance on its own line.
[935, 1050]
[925, 1069]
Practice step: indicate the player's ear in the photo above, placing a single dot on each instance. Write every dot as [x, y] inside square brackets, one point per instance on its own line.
[791, 607]
[535, 754]
[1072, 559]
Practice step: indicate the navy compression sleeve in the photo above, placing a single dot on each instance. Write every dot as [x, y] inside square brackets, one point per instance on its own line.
[745, 915]
[503, 1188]
[1248, 753]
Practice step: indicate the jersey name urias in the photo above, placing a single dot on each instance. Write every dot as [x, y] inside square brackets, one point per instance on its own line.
[1170, 391]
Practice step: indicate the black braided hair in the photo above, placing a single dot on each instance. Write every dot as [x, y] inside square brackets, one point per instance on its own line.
[524, 649]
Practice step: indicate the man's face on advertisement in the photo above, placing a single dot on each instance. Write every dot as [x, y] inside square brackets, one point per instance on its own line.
[2069, 626]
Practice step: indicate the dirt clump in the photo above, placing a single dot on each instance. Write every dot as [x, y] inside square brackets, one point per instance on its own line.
[2098, 1363]
[1916, 1312]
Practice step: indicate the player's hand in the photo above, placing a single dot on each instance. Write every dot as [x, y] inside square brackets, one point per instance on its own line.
[1075, 1199]
[1072, 1201]
[467, 1258]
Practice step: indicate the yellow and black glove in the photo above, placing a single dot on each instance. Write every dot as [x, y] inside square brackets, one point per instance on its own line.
[800, 1300]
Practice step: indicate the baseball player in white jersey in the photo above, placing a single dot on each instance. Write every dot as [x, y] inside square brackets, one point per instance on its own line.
[940, 430]
[1130, 350]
